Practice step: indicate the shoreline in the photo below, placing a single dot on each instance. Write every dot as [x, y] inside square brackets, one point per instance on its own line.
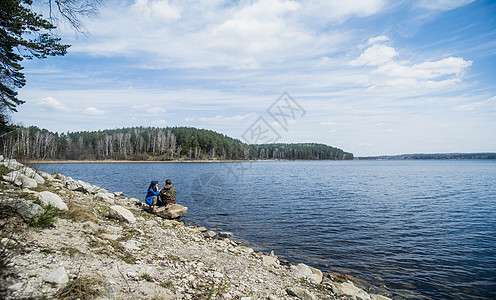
[202, 258]
[172, 161]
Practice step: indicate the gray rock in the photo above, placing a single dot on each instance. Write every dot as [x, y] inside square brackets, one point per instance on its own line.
[26, 209]
[316, 276]
[269, 260]
[349, 289]
[131, 245]
[107, 197]
[15, 287]
[13, 177]
[172, 211]
[28, 182]
[58, 276]
[379, 297]
[88, 188]
[46, 176]
[72, 184]
[225, 234]
[209, 234]
[302, 271]
[49, 198]
[302, 294]
[120, 213]
[312, 274]
[31, 173]
[12, 164]
[60, 177]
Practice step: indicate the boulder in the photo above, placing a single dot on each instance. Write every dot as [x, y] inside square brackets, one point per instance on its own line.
[311, 274]
[73, 185]
[350, 290]
[316, 276]
[46, 176]
[171, 211]
[120, 213]
[49, 198]
[59, 176]
[31, 173]
[27, 182]
[58, 276]
[107, 197]
[209, 234]
[12, 164]
[26, 209]
[302, 294]
[225, 234]
[88, 188]
[14, 178]
[269, 260]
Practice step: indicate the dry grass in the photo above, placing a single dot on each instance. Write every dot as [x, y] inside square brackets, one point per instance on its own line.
[79, 213]
[84, 287]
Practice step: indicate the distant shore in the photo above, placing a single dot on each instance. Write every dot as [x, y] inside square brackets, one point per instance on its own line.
[134, 161]
[64, 161]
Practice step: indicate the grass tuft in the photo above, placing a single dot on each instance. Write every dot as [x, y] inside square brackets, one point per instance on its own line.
[83, 287]
[79, 213]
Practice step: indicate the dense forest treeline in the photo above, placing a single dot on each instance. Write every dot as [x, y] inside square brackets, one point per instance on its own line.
[434, 156]
[151, 143]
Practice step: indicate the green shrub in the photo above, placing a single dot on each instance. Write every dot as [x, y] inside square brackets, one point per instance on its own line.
[146, 277]
[4, 170]
[166, 284]
[44, 219]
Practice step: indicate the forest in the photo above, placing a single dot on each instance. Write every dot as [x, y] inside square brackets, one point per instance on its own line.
[152, 143]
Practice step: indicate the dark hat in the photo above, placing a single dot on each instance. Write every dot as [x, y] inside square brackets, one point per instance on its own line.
[154, 182]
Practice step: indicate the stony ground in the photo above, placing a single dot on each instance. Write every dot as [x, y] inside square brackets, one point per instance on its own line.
[87, 254]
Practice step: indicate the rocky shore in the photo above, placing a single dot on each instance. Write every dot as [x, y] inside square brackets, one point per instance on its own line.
[62, 238]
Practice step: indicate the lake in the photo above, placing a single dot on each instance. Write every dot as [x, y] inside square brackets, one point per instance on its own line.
[423, 228]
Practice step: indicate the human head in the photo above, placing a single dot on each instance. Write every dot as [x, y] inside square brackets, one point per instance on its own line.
[168, 182]
[153, 184]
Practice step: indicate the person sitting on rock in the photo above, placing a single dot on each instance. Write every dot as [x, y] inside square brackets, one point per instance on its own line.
[168, 193]
[152, 195]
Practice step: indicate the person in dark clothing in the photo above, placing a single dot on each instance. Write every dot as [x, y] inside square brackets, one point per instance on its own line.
[168, 193]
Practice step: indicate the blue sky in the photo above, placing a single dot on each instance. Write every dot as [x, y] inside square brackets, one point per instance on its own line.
[372, 77]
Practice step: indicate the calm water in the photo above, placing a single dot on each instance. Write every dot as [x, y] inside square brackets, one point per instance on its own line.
[422, 228]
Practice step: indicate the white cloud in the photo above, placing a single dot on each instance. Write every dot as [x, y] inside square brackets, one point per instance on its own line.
[378, 39]
[491, 102]
[426, 70]
[50, 103]
[149, 109]
[159, 123]
[328, 123]
[236, 118]
[375, 55]
[93, 111]
[340, 11]
[158, 11]
[243, 36]
[442, 4]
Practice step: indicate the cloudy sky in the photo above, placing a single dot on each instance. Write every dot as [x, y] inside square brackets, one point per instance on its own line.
[371, 77]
